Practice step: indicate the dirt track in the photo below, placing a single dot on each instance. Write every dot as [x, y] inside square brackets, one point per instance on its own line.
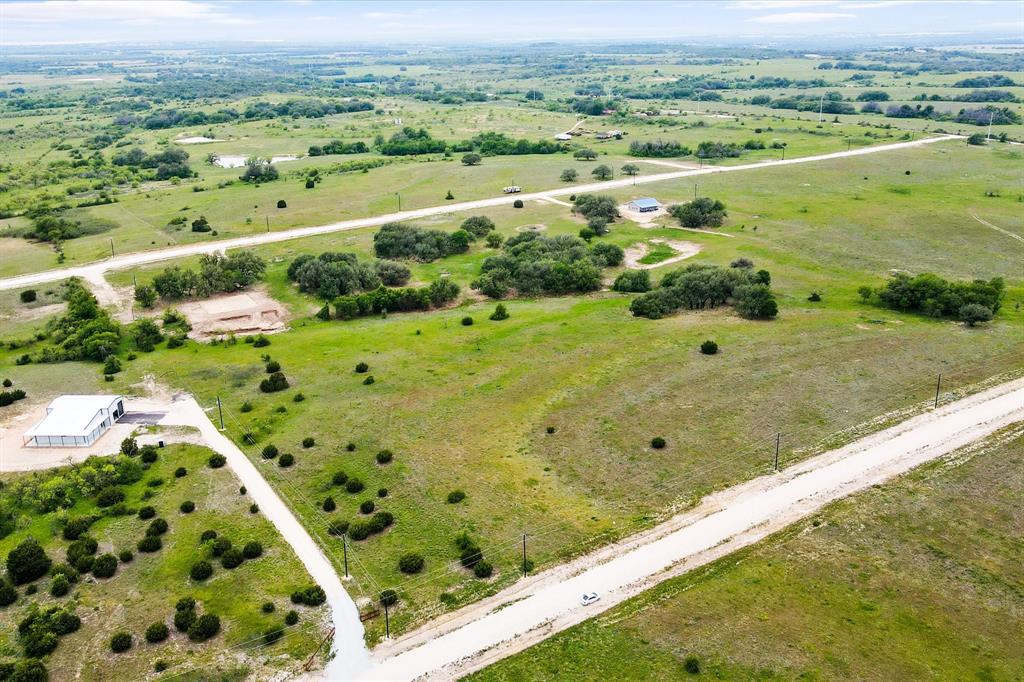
[91, 271]
[540, 606]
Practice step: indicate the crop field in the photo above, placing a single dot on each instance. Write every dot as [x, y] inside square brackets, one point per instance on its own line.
[918, 578]
[544, 424]
[146, 588]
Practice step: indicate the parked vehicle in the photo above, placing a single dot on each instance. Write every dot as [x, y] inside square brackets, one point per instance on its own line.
[513, 189]
[589, 598]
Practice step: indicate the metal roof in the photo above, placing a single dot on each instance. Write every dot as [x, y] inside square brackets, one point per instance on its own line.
[73, 415]
[646, 202]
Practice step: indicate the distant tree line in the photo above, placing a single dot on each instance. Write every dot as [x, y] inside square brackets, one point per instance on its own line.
[307, 108]
[169, 163]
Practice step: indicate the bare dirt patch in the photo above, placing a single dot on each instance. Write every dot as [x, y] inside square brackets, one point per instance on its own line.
[539, 227]
[683, 251]
[251, 312]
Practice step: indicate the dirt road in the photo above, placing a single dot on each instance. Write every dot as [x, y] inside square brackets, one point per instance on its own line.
[538, 607]
[92, 270]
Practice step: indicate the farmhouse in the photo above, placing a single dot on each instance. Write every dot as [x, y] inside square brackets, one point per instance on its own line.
[563, 137]
[75, 421]
[644, 205]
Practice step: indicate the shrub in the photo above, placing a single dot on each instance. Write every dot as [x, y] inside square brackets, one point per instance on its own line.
[339, 478]
[973, 313]
[410, 563]
[384, 456]
[268, 607]
[129, 446]
[105, 566]
[456, 496]
[500, 313]
[709, 347]
[518, 203]
[657, 442]
[337, 528]
[77, 526]
[27, 562]
[354, 485]
[184, 619]
[269, 451]
[311, 596]
[274, 383]
[252, 550]
[217, 460]
[109, 496]
[232, 558]
[471, 555]
[362, 368]
[633, 281]
[692, 665]
[201, 570]
[550, 429]
[814, 297]
[207, 535]
[254, 508]
[388, 597]
[308, 442]
[298, 397]
[467, 321]
[281, 203]
[157, 527]
[27, 296]
[121, 641]
[187, 507]
[350, 447]
[205, 627]
[221, 545]
[381, 520]
[367, 507]
[483, 569]
[291, 618]
[494, 240]
[329, 504]
[382, 492]
[150, 543]
[286, 460]
[147, 513]
[246, 406]
[125, 555]
[275, 633]
[157, 632]
[273, 366]
[8, 595]
[368, 380]
[702, 212]
[59, 586]
[180, 472]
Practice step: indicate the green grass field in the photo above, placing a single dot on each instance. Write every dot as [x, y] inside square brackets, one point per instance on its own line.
[920, 578]
[146, 589]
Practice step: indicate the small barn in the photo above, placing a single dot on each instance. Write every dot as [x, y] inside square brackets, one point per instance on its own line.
[75, 421]
[563, 137]
[644, 205]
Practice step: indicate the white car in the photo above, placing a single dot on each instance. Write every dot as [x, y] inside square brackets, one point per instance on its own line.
[514, 189]
[589, 598]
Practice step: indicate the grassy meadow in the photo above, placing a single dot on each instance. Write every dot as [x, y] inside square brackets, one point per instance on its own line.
[919, 578]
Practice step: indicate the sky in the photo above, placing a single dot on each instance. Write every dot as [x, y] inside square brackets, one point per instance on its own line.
[326, 21]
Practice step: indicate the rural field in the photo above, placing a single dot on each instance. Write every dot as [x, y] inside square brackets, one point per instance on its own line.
[448, 401]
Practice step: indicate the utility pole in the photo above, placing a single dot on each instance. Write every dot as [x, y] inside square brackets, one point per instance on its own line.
[111, 247]
[991, 114]
[220, 413]
[695, 191]
[524, 555]
[344, 549]
[387, 622]
[821, 106]
[778, 440]
[268, 223]
[698, 100]
[783, 153]
[849, 143]
[399, 195]
[938, 382]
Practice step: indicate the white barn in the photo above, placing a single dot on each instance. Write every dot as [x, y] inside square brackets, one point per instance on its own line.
[75, 421]
[644, 205]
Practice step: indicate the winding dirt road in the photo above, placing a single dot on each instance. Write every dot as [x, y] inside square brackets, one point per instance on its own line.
[538, 607]
[93, 270]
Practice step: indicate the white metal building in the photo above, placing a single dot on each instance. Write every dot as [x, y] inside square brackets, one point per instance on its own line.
[644, 205]
[75, 421]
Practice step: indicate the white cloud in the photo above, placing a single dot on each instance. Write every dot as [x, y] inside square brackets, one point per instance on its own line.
[801, 17]
[66, 11]
[779, 4]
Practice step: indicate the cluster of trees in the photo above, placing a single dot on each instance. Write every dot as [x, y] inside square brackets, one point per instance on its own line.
[699, 287]
[596, 206]
[383, 300]
[499, 144]
[217, 273]
[258, 170]
[169, 163]
[308, 108]
[338, 147]
[84, 332]
[10, 397]
[471, 556]
[55, 226]
[532, 264]
[993, 81]
[719, 150]
[409, 141]
[702, 212]
[398, 240]
[331, 274]
[978, 117]
[929, 294]
[48, 492]
[658, 149]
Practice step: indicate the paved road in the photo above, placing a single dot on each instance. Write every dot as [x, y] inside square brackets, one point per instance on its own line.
[537, 608]
[93, 271]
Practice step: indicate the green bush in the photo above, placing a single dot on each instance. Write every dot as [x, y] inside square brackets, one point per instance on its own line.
[275, 633]
[216, 460]
[269, 451]
[369, 380]
[467, 321]
[518, 203]
[157, 527]
[121, 641]
[339, 478]
[366, 507]
[147, 512]
[105, 566]
[8, 594]
[109, 496]
[184, 619]
[360, 530]
[382, 492]
[456, 496]
[500, 313]
[150, 543]
[384, 456]
[273, 366]
[337, 527]
[709, 348]
[201, 570]
[207, 535]
[311, 596]
[657, 442]
[633, 281]
[308, 442]
[187, 507]
[329, 505]
[291, 618]
[350, 447]
[298, 397]
[27, 296]
[252, 550]
[246, 406]
[410, 563]
[76, 526]
[286, 460]
[27, 562]
[232, 558]
[60, 586]
[157, 632]
[126, 556]
[260, 341]
[692, 665]
[483, 569]
[354, 485]
[205, 627]
[388, 597]
[220, 546]
[362, 368]
[274, 383]
[268, 607]
[180, 472]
